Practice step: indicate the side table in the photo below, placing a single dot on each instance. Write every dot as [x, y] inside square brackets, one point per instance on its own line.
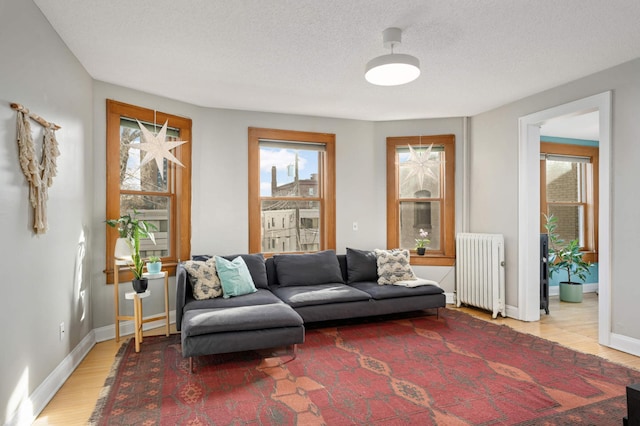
[137, 316]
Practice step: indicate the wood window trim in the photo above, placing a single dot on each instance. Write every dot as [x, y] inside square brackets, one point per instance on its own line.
[592, 152]
[446, 255]
[328, 196]
[181, 243]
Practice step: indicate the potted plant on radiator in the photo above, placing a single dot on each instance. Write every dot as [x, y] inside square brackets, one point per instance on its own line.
[568, 258]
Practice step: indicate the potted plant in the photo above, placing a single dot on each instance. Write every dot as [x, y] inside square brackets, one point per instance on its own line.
[422, 242]
[132, 230]
[154, 265]
[567, 257]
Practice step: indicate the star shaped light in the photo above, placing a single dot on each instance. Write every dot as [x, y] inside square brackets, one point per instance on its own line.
[157, 147]
[419, 164]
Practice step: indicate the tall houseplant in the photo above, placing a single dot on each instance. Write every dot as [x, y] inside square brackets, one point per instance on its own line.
[566, 257]
[133, 229]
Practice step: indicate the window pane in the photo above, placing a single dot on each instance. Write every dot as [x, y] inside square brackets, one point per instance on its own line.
[289, 172]
[133, 176]
[419, 215]
[419, 179]
[154, 210]
[290, 226]
[563, 181]
[570, 222]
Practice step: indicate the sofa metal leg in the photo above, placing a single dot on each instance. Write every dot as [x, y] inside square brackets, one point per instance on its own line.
[292, 353]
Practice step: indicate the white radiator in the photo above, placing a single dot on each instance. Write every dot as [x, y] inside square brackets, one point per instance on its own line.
[480, 272]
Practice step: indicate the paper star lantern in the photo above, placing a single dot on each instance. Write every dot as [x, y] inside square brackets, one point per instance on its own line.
[419, 165]
[157, 147]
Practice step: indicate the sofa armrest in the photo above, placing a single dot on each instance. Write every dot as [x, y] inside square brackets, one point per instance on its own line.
[182, 282]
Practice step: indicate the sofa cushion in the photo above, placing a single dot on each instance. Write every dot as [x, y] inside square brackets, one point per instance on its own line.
[308, 269]
[380, 292]
[393, 265]
[361, 265]
[254, 261]
[234, 277]
[203, 278]
[260, 297]
[320, 294]
[259, 317]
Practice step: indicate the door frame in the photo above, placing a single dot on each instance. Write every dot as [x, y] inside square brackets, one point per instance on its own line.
[529, 208]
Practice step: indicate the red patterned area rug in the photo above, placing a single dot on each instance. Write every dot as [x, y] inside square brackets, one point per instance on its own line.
[422, 370]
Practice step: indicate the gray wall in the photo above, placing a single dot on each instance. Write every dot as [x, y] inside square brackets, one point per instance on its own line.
[59, 276]
[45, 278]
[219, 215]
[494, 180]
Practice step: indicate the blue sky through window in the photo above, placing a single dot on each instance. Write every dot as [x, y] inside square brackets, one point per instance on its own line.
[284, 160]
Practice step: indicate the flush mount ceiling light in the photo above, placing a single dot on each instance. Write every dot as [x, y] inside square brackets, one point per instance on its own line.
[393, 69]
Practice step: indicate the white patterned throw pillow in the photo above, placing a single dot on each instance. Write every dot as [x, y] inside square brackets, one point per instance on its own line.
[393, 266]
[204, 278]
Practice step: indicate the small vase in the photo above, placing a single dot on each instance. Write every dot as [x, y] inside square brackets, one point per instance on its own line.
[154, 267]
[140, 286]
[421, 251]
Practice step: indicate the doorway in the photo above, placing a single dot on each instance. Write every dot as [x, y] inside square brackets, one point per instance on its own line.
[529, 207]
[569, 166]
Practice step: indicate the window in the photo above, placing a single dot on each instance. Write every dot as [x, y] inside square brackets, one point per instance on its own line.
[569, 191]
[163, 199]
[421, 195]
[291, 179]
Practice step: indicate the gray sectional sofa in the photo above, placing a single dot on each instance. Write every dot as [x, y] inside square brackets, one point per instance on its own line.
[290, 290]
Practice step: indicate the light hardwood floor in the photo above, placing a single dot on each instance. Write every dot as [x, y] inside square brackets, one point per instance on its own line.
[574, 325]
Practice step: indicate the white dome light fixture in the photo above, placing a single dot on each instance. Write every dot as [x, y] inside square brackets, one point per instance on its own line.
[393, 69]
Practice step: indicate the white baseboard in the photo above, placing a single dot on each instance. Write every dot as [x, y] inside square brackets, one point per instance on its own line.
[450, 298]
[108, 332]
[29, 409]
[625, 344]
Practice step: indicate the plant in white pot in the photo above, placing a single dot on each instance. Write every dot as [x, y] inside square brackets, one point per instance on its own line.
[133, 229]
[568, 258]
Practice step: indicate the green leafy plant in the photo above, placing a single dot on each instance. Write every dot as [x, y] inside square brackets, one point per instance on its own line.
[563, 256]
[154, 259]
[134, 229]
[423, 241]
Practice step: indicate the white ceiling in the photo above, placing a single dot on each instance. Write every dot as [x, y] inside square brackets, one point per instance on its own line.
[308, 56]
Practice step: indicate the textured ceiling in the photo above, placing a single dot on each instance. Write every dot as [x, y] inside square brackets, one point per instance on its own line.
[308, 56]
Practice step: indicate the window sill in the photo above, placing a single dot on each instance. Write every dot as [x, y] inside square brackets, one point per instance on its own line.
[432, 260]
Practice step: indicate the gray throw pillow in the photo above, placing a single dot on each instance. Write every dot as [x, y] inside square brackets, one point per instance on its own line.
[308, 269]
[203, 278]
[361, 265]
[254, 262]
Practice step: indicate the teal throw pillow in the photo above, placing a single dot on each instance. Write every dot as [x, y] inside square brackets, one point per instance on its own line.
[234, 277]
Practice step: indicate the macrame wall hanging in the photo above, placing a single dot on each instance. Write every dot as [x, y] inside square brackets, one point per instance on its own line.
[39, 174]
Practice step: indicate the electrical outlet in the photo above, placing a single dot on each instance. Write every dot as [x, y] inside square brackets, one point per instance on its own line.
[355, 226]
[61, 331]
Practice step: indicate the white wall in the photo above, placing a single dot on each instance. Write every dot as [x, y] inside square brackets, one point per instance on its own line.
[494, 180]
[45, 278]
